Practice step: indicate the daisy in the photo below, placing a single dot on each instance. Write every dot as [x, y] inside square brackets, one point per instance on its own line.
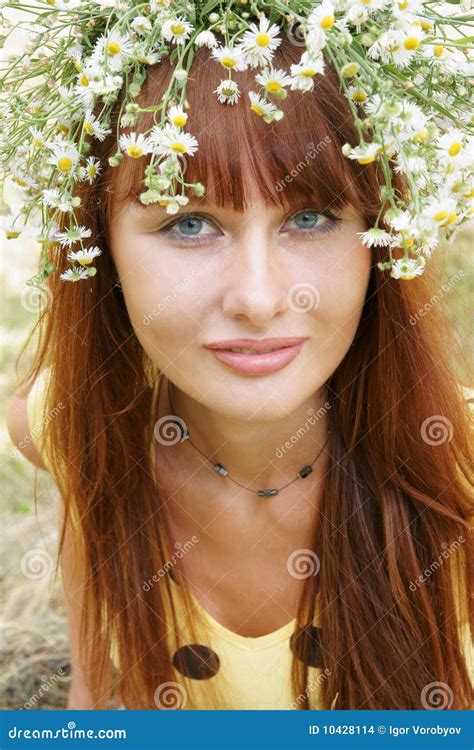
[273, 81]
[12, 231]
[93, 127]
[232, 58]
[73, 234]
[375, 237]
[441, 210]
[84, 257]
[303, 73]
[264, 108]
[227, 92]
[172, 203]
[142, 25]
[176, 30]
[74, 274]
[259, 42]
[407, 268]
[91, 170]
[177, 116]
[206, 39]
[39, 141]
[114, 50]
[171, 141]
[451, 144]
[135, 145]
[64, 157]
[54, 198]
[365, 153]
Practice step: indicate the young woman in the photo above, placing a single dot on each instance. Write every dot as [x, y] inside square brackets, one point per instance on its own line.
[187, 588]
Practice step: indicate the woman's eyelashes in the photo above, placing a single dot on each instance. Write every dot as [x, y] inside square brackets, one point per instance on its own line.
[197, 229]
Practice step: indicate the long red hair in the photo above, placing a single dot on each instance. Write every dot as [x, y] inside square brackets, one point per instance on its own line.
[392, 498]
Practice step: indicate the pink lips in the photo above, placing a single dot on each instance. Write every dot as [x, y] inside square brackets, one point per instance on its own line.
[258, 364]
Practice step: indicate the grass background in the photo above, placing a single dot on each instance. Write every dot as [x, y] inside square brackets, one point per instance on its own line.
[34, 655]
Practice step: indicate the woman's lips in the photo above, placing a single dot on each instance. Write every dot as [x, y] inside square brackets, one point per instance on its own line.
[258, 364]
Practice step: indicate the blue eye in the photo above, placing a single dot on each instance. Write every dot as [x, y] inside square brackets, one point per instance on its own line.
[191, 225]
[306, 219]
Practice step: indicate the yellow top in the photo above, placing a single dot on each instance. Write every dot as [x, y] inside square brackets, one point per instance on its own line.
[247, 673]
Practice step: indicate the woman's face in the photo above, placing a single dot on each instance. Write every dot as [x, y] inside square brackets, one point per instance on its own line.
[209, 275]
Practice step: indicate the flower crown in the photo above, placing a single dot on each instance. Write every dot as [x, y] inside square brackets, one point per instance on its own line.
[400, 63]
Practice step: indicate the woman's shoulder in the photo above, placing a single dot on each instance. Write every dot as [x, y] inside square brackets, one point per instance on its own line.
[37, 414]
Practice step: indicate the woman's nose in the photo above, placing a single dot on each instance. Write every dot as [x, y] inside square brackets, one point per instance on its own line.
[256, 285]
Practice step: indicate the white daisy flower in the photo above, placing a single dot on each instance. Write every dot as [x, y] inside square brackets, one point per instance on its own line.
[206, 39]
[92, 170]
[39, 141]
[74, 274]
[84, 257]
[375, 237]
[451, 144]
[142, 25]
[441, 210]
[407, 269]
[173, 202]
[176, 30]
[365, 153]
[177, 116]
[273, 81]
[171, 141]
[227, 92]
[112, 50]
[322, 17]
[54, 198]
[93, 127]
[259, 42]
[135, 145]
[232, 58]
[264, 108]
[303, 73]
[12, 231]
[73, 234]
[64, 157]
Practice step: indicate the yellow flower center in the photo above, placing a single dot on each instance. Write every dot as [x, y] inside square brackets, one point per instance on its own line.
[12, 234]
[113, 48]
[178, 148]
[422, 135]
[228, 62]
[273, 86]
[177, 28]
[20, 182]
[263, 40]
[85, 261]
[88, 127]
[134, 151]
[403, 5]
[64, 163]
[38, 143]
[441, 215]
[350, 70]
[257, 109]
[359, 96]
[163, 202]
[366, 159]
[308, 73]
[438, 50]
[455, 148]
[327, 22]
[91, 170]
[84, 81]
[426, 25]
[180, 120]
[411, 42]
[393, 47]
[450, 220]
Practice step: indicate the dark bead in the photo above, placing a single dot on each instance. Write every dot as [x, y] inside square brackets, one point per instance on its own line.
[305, 471]
[267, 493]
[220, 469]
